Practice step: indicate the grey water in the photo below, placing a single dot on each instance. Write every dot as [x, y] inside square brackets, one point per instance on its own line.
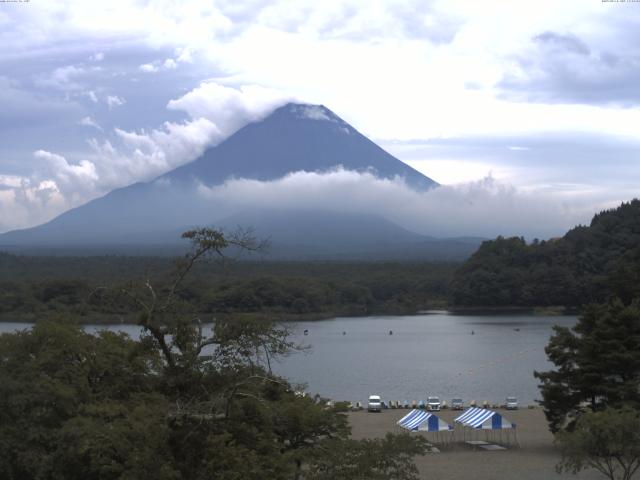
[479, 357]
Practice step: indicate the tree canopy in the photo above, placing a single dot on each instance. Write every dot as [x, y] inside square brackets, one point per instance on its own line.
[607, 441]
[32, 288]
[182, 402]
[597, 363]
[588, 265]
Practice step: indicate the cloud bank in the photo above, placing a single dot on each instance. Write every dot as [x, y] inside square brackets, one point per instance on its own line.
[58, 183]
[485, 207]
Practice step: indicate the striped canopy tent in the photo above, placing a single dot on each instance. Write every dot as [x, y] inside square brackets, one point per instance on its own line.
[482, 419]
[422, 421]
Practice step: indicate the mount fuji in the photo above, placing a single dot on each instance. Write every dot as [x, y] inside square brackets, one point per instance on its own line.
[145, 217]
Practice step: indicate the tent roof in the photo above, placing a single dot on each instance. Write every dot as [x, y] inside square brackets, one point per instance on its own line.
[483, 418]
[423, 421]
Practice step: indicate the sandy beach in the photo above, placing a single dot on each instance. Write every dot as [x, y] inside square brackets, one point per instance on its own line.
[534, 459]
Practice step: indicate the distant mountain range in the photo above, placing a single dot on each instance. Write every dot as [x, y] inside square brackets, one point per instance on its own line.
[148, 217]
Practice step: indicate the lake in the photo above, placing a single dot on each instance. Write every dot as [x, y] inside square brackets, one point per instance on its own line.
[481, 357]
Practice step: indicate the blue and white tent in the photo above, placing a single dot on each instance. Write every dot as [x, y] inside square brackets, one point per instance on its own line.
[422, 421]
[484, 419]
[491, 423]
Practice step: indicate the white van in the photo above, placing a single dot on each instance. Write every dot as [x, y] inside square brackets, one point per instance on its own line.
[512, 403]
[375, 403]
[433, 403]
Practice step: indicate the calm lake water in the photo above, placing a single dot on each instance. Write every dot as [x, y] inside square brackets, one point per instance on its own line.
[429, 354]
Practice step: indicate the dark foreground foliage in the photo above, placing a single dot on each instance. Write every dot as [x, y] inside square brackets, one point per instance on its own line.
[597, 364]
[607, 441]
[180, 403]
[592, 397]
[588, 265]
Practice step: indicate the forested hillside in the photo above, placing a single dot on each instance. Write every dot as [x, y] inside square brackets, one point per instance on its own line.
[89, 287]
[588, 264]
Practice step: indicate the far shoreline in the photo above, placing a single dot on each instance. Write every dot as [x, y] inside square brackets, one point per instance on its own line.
[129, 319]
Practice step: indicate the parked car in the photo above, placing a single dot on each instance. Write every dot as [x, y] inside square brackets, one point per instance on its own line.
[433, 403]
[375, 403]
[457, 404]
[512, 403]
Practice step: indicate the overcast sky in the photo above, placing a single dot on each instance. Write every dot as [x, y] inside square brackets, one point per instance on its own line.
[538, 97]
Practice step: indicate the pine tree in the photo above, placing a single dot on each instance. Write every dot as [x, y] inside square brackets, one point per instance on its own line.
[598, 364]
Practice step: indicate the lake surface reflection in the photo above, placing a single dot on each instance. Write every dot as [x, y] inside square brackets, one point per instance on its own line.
[481, 357]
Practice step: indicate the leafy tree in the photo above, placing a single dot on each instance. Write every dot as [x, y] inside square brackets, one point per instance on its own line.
[79, 406]
[608, 441]
[598, 363]
[375, 459]
[180, 403]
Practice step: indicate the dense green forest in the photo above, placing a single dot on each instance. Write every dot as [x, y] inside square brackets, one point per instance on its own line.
[589, 264]
[90, 287]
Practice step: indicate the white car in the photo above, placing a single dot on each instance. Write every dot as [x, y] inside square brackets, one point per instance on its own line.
[512, 403]
[457, 404]
[375, 403]
[433, 403]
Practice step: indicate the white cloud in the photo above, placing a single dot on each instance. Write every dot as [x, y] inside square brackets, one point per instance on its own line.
[152, 153]
[185, 55]
[56, 186]
[143, 154]
[148, 68]
[114, 101]
[92, 96]
[431, 52]
[9, 181]
[64, 173]
[170, 64]
[485, 207]
[89, 122]
[227, 107]
[63, 78]
[398, 69]
[216, 112]
[314, 112]
[29, 202]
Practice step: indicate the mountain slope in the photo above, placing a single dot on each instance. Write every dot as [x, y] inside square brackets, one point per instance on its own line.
[294, 137]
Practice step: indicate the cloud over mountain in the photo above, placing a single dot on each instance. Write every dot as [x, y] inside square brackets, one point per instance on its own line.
[213, 113]
[485, 207]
